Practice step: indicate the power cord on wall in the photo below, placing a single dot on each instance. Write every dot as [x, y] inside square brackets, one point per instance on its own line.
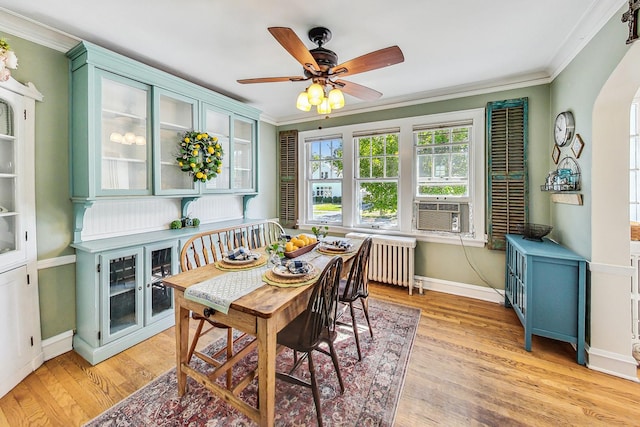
[464, 249]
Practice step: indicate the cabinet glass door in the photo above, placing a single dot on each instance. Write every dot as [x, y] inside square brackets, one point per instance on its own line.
[125, 144]
[122, 283]
[11, 154]
[161, 263]
[217, 124]
[243, 138]
[176, 117]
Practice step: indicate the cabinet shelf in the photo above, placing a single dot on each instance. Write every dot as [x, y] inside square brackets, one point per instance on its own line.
[124, 159]
[173, 126]
[120, 114]
[116, 290]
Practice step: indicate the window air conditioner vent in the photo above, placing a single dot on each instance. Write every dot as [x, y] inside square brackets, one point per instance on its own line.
[445, 216]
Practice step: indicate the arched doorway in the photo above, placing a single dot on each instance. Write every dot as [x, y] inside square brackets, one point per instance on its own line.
[610, 315]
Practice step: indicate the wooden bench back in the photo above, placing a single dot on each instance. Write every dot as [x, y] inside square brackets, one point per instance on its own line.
[209, 246]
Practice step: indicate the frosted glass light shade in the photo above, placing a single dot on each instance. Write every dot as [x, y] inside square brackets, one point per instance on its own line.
[324, 107]
[303, 102]
[336, 99]
[315, 93]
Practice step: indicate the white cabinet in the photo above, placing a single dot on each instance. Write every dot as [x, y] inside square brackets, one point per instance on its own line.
[21, 349]
[120, 297]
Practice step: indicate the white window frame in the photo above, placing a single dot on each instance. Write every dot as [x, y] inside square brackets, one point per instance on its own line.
[634, 153]
[408, 178]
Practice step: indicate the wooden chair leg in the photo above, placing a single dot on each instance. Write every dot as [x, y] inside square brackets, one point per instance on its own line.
[355, 329]
[365, 308]
[334, 358]
[229, 356]
[314, 389]
[195, 340]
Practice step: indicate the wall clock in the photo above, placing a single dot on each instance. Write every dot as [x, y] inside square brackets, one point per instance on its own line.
[563, 128]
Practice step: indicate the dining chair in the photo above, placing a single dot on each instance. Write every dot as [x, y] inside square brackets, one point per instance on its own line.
[313, 327]
[356, 287]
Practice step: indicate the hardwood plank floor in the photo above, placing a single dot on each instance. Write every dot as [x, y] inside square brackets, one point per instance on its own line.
[468, 367]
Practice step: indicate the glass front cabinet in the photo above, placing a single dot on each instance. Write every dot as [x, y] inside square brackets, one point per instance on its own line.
[128, 120]
[130, 303]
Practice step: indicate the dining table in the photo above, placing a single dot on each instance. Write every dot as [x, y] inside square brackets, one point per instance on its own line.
[265, 309]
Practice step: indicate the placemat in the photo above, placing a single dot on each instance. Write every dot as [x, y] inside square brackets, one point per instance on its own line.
[225, 266]
[293, 282]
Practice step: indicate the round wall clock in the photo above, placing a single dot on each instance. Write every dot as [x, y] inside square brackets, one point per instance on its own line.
[564, 128]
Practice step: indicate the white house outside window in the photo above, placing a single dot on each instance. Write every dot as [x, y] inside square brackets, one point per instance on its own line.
[325, 179]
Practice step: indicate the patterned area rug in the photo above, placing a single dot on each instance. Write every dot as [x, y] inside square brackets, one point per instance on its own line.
[372, 386]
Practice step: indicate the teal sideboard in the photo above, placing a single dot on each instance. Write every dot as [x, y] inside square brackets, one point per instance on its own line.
[545, 283]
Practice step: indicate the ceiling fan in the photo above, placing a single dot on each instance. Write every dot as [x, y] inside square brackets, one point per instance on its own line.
[321, 67]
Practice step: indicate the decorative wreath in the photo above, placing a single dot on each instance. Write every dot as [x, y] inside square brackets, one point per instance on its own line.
[200, 155]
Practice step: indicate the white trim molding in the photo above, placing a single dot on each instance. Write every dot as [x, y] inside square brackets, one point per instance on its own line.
[57, 345]
[56, 262]
[461, 289]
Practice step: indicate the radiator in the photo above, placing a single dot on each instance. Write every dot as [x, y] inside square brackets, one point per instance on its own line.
[391, 260]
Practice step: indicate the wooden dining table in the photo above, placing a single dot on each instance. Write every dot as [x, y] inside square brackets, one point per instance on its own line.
[261, 313]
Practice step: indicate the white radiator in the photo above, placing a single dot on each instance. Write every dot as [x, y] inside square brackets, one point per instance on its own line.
[392, 259]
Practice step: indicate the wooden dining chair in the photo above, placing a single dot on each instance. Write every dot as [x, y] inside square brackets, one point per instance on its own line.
[356, 287]
[209, 247]
[313, 327]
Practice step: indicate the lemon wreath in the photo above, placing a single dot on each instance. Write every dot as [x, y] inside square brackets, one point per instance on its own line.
[200, 156]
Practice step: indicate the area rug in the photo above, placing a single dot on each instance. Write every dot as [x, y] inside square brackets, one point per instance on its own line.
[372, 386]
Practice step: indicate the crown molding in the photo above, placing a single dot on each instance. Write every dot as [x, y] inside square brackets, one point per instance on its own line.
[35, 32]
[587, 26]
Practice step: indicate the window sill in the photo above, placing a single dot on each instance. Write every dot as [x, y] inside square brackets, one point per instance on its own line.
[419, 236]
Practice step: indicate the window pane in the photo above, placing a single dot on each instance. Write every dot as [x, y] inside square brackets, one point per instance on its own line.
[365, 168]
[327, 202]
[378, 204]
[459, 167]
[392, 166]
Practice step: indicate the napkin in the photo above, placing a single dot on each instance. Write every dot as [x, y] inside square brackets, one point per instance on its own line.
[298, 267]
[341, 244]
[241, 254]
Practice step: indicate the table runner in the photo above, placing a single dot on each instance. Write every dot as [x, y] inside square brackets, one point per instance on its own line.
[219, 292]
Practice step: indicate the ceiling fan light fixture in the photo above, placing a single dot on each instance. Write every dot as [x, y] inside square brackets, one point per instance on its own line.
[315, 92]
[336, 98]
[324, 107]
[303, 102]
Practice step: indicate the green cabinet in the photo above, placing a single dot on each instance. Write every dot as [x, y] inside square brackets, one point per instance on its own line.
[127, 121]
[120, 297]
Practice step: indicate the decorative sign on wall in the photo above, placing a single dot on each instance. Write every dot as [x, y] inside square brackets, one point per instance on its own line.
[631, 17]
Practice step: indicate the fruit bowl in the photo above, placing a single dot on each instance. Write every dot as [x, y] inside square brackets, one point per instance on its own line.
[535, 232]
[300, 251]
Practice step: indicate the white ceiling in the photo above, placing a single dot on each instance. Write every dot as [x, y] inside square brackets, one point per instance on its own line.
[450, 46]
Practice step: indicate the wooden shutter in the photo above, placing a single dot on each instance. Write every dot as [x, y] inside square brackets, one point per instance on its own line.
[289, 179]
[507, 190]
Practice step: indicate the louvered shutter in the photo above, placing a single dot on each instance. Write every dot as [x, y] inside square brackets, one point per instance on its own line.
[289, 178]
[507, 191]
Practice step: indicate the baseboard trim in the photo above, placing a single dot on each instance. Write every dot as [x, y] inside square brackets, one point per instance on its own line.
[615, 364]
[57, 345]
[461, 289]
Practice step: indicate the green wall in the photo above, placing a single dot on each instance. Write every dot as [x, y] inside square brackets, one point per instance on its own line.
[48, 70]
[449, 262]
[576, 89]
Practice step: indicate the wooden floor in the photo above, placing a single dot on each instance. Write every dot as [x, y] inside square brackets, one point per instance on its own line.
[468, 367]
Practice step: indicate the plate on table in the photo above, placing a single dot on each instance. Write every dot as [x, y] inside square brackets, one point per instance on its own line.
[283, 271]
[238, 261]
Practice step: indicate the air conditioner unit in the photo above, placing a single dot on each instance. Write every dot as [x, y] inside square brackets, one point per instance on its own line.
[442, 216]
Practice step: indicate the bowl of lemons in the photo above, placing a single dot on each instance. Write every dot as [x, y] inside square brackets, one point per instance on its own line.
[298, 245]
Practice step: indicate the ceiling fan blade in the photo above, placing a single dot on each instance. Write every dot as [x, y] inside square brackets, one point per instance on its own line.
[292, 43]
[273, 79]
[371, 61]
[358, 91]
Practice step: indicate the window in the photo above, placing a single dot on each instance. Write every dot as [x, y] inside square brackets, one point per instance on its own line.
[325, 179]
[634, 158]
[377, 172]
[387, 175]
